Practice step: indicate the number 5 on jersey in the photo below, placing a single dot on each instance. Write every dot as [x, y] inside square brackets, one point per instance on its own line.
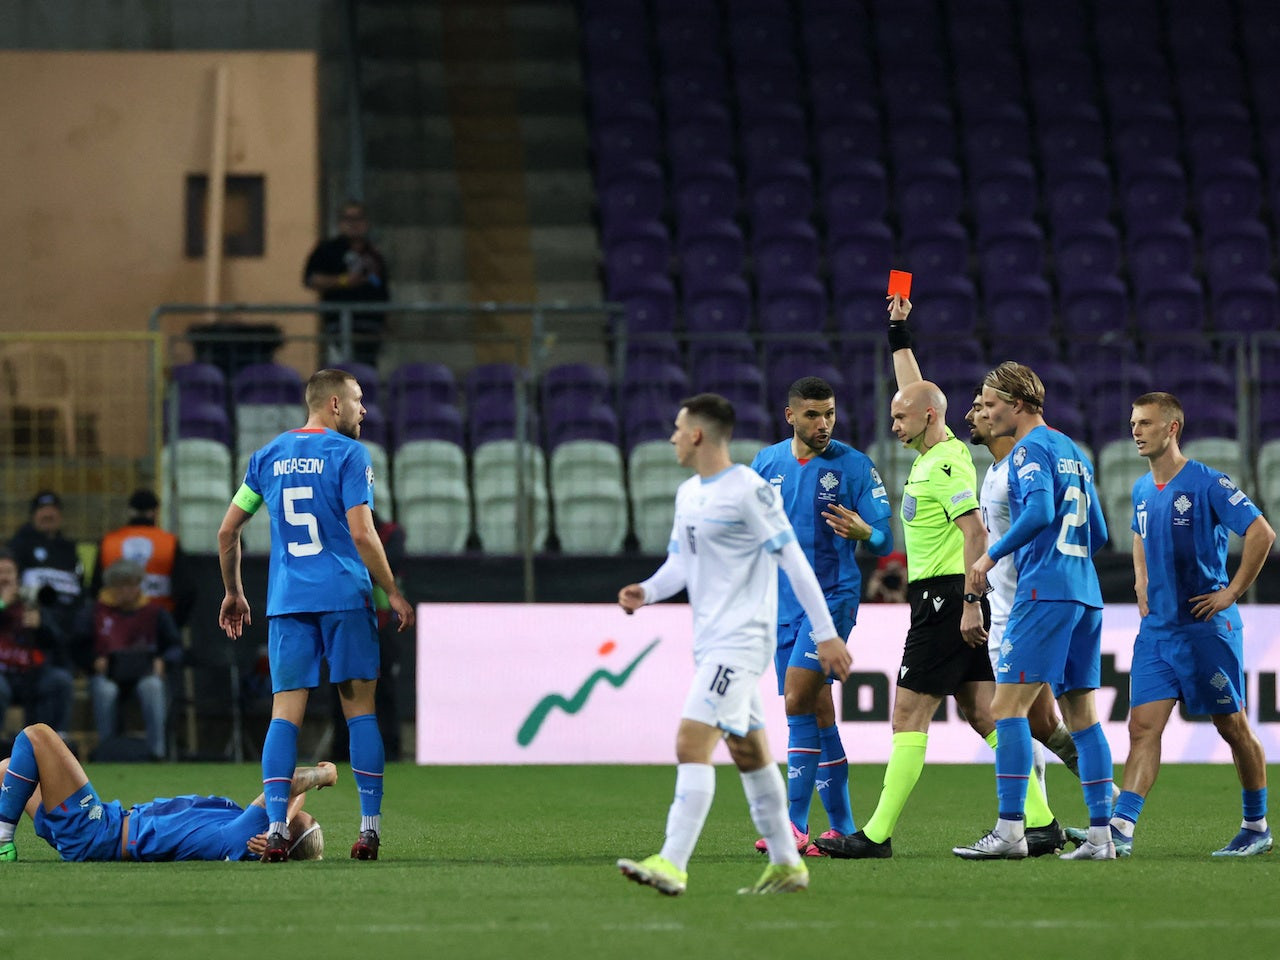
[301, 518]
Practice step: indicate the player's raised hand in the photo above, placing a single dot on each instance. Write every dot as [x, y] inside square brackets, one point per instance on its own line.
[834, 658]
[846, 523]
[899, 308]
[233, 615]
[631, 598]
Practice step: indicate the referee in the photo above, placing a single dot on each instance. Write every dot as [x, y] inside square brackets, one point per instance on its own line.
[945, 652]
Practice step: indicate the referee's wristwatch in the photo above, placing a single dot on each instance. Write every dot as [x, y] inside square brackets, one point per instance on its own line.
[972, 598]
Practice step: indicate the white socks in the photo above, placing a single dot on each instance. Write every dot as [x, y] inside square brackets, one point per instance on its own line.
[695, 789]
[767, 798]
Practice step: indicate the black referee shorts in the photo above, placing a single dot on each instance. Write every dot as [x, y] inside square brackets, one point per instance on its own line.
[935, 659]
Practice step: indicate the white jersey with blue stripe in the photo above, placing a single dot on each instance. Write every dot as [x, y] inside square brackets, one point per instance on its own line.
[308, 480]
[727, 529]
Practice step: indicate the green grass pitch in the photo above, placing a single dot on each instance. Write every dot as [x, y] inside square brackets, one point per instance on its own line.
[518, 862]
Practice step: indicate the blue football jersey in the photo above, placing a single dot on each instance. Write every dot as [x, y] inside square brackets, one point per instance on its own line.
[841, 475]
[308, 480]
[1057, 563]
[1184, 536]
[193, 828]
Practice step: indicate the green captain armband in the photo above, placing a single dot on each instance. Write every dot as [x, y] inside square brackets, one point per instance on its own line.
[247, 500]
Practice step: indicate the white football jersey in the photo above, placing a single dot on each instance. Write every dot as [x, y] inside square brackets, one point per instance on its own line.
[727, 529]
[1003, 577]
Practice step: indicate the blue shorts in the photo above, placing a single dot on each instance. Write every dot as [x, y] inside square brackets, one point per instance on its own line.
[346, 639]
[1058, 642]
[797, 648]
[82, 827]
[1200, 664]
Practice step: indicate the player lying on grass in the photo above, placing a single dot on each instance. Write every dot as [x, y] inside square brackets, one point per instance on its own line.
[43, 777]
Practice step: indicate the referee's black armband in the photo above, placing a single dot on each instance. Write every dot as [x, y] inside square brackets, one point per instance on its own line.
[899, 337]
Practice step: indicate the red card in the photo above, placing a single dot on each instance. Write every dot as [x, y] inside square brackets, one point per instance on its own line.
[900, 282]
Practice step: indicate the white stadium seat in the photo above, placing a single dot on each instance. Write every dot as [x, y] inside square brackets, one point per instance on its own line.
[433, 501]
[493, 484]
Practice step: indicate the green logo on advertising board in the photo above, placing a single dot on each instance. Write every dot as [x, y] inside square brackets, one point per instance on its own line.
[533, 723]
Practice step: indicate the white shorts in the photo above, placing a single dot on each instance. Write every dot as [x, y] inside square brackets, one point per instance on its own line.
[725, 697]
[995, 637]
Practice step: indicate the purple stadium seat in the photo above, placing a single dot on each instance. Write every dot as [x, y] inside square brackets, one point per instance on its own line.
[267, 383]
[861, 311]
[723, 306]
[706, 194]
[1002, 135]
[939, 249]
[434, 421]
[703, 134]
[1158, 250]
[1010, 250]
[1247, 304]
[574, 384]
[784, 193]
[632, 256]
[203, 419]
[591, 422]
[650, 306]
[1078, 192]
[1005, 191]
[1226, 133]
[738, 381]
[200, 381]
[797, 306]
[1086, 250]
[1227, 192]
[630, 196]
[928, 191]
[855, 191]
[1176, 303]
[1094, 305]
[654, 386]
[1238, 249]
[622, 139]
[943, 306]
[1073, 131]
[859, 255]
[713, 252]
[1020, 305]
[412, 383]
[1035, 352]
[1061, 80]
[929, 131]
[1157, 191]
[848, 139]
[786, 253]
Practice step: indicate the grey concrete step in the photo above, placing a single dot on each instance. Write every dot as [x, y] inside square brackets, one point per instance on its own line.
[407, 142]
[564, 253]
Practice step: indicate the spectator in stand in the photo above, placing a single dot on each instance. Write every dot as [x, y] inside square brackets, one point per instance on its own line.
[134, 642]
[30, 649]
[165, 579]
[348, 268]
[888, 582]
[48, 563]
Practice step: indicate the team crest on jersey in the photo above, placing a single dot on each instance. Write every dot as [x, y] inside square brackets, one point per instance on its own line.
[1182, 504]
[1019, 456]
[875, 478]
[766, 495]
[368, 475]
[829, 480]
[1225, 483]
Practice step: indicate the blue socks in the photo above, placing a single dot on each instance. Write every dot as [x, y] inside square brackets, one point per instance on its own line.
[1254, 803]
[1129, 806]
[1096, 773]
[834, 770]
[20, 781]
[368, 762]
[1013, 766]
[279, 757]
[803, 756]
